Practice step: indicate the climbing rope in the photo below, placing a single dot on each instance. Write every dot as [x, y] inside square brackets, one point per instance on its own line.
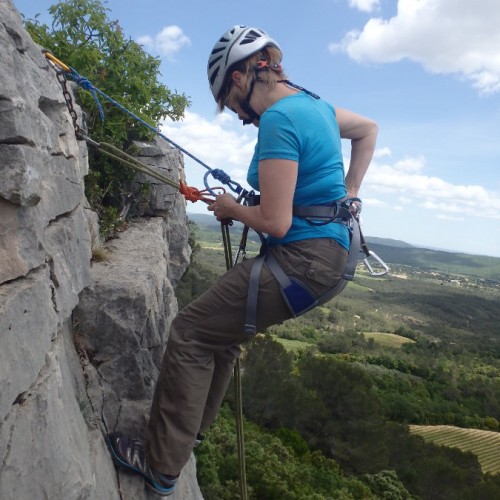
[191, 194]
[64, 72]
[238, 398]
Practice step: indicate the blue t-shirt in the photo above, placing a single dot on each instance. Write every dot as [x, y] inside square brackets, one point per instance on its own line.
[304, 129]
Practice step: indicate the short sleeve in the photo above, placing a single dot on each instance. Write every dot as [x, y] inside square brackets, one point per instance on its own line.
[278, 138]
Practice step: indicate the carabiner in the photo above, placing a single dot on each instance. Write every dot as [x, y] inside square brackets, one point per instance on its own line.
[385, 267]
[54, 60]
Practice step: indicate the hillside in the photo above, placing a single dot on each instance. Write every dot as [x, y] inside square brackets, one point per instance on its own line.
[487, 268]
[391, 251]
[418, 346]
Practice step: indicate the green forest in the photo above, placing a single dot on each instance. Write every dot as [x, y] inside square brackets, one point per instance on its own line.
[329, 397]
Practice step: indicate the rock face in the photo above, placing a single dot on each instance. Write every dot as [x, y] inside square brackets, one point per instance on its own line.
[80, 343]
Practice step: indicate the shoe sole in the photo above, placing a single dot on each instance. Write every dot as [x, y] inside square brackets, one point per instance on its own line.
[126, 467]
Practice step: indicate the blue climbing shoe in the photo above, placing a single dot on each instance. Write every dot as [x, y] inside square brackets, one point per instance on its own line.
[128, 454]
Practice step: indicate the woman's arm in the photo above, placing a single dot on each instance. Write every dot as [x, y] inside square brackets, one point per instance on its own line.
[363, 134]
[277, 180]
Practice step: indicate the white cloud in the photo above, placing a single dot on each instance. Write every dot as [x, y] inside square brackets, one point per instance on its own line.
[411, 187]
[385, 151]
[147, 41]
[446, 36]
[364, 5]
[220, 143]
[410, 165]
[449, 217]
[405, 201]
[375, 202]
[168, 42]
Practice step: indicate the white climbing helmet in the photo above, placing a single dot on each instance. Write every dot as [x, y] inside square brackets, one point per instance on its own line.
[236, 44]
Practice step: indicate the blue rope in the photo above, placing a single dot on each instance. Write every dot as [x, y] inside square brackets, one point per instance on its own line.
[216, 173]
[87, 85]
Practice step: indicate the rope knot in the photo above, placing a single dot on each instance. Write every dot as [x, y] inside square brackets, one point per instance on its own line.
[85, 83]
[193, 194]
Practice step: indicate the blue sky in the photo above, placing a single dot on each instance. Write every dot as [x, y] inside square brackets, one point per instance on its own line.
[427, 71]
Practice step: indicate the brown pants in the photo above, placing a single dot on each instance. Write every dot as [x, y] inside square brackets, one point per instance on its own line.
[205, 340]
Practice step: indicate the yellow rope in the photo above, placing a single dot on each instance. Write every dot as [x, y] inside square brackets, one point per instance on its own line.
[121, 156]
[240, 437]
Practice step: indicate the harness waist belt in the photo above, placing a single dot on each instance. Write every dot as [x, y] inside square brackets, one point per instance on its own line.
[335, 212]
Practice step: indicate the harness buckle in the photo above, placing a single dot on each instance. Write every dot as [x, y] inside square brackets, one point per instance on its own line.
[373, 255]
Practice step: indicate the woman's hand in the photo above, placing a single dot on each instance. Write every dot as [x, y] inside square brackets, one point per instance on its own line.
[277, 179]
[223, 207]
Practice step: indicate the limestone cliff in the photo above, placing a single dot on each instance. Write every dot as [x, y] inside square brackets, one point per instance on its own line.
[80, 343]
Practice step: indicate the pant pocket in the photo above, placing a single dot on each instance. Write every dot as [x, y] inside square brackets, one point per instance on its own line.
[317, 263]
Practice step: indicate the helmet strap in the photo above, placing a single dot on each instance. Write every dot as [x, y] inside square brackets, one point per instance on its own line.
[262, 65]
[245, 105]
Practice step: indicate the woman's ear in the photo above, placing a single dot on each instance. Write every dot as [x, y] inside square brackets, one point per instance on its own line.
[236, 77]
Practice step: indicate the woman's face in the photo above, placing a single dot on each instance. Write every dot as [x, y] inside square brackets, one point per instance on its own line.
[235, 99]
[236, 108]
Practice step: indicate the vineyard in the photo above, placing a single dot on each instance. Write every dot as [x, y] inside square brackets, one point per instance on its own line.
[484, 444]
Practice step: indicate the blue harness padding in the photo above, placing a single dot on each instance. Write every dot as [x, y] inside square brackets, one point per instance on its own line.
[298, 297]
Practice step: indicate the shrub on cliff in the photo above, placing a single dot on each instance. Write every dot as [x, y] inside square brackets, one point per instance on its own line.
[84, 38]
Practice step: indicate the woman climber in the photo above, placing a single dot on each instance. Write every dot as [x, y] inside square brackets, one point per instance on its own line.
[297, 165]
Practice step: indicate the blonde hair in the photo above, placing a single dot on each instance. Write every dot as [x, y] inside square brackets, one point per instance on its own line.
[228, 94]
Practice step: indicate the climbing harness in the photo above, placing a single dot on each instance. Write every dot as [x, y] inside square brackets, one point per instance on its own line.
[296, 294]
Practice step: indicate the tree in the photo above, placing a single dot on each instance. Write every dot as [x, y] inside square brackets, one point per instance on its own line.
[274, 471]
[354, 430]
[83, 37]
[266, 380]
[386, 485]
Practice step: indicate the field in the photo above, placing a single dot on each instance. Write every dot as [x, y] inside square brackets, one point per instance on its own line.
[484, 444]
[387, 339]
[293, 345]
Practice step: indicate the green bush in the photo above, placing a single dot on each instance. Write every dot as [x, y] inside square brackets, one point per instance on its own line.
[84, 38]
[274, 470]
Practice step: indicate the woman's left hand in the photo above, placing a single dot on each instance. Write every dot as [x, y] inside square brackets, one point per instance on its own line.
[223, 207]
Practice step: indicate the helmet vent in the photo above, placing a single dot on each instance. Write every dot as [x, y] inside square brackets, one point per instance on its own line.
[250, 37]
[217, 50]
[214, 61]
[213, 76]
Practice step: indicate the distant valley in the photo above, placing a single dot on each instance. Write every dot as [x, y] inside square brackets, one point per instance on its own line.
[400, 253]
